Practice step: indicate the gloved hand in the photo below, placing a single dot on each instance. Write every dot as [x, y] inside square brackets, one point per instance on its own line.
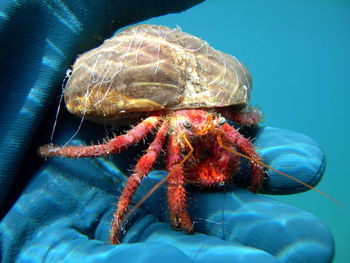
[65, 210]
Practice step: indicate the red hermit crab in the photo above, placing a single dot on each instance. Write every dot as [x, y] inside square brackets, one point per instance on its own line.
[178, 86]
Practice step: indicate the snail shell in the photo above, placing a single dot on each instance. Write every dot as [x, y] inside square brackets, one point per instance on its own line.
[146, 68]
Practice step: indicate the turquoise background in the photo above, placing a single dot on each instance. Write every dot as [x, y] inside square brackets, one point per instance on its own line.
[298, 52]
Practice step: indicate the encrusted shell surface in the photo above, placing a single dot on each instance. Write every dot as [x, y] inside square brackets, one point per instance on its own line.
[147, 67]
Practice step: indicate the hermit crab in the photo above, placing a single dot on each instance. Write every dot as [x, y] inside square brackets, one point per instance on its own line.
[179, 88]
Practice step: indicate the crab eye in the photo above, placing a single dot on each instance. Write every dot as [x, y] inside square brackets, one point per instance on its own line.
[187, 125]
[221, 121]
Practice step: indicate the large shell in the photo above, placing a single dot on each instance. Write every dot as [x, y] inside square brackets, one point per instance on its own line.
[147, 67]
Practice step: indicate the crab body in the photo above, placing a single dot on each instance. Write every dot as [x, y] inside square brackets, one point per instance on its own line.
[178, 86]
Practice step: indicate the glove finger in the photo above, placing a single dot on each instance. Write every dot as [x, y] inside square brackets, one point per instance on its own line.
[292, 153]
[158, 243]
[289, 233]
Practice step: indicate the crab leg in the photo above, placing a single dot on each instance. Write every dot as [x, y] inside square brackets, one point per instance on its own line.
[142, 168]
[247, 148]
[115, 145]
[176, 190]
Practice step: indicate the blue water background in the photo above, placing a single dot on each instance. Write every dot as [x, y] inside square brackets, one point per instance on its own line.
[298, 52]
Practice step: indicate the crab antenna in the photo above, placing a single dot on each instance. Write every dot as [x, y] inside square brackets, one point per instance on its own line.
[68, 74]
[154, 188]
[207, 126]
[273, 169]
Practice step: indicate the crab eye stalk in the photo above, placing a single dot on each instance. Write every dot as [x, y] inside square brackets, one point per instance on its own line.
[187, 125]
[221, 121]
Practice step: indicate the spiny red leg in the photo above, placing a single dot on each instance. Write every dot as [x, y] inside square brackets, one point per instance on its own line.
[115, 145]
[247, 148]
[176, 190]
[142, 168]
[249, 117]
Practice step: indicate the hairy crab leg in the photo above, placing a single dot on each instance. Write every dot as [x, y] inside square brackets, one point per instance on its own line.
[176, 181]
[247, 148]
[142, 168]
[115, 145]
[154, 188]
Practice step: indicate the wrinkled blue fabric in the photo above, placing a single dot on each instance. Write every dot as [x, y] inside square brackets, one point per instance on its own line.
[65, 210]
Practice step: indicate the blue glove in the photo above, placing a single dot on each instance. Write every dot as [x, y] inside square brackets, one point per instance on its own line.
[65, 209]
